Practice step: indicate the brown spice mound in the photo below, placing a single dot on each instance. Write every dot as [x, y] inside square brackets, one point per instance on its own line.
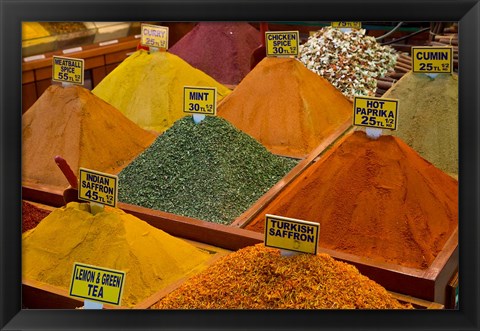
[31, 216]
[83, 129]
[373, 198]
[429, 117]
[258, 277]
[286, 107]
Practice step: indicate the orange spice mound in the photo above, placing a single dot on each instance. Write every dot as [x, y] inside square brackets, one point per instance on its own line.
[286, 107]
[83, 129]
[373, 198]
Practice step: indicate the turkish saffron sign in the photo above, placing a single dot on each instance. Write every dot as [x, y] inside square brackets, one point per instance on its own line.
[291, 234]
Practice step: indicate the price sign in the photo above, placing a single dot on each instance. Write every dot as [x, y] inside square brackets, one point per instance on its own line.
[291, 234]
[97, 284]
[98, 187]
[282, 43]
[67, 70]
[375, 112]
[346, 25]
[200, 100]
[432, 60]
[154, 36]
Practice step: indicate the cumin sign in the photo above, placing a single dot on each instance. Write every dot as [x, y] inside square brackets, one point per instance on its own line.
[291, 234]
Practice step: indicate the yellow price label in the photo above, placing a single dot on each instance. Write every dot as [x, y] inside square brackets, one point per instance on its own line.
[97, 284]
[200, 100]
[375, 112]
[154, 36]
[346, 25]
[282, 43]
[432, 60]
[98, 187]
[291, 234]
[67, 70]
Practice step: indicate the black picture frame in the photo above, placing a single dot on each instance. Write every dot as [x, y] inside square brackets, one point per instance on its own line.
[466, 12]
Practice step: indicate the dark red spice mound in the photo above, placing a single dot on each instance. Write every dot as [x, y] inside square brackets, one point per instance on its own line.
[220, 49]
[31, 216]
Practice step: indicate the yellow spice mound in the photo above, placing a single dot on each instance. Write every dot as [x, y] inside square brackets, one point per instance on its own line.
[83, 129]
[151, 258]
[148, 88]
[32, 30]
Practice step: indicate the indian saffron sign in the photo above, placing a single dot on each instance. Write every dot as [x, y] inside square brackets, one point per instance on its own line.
[97, 284]
[291, 234]
[98, 187]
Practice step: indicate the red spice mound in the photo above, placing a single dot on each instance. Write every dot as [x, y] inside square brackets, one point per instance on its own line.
[31, 216]
[286, 107]
[220, 49]
[373, 198]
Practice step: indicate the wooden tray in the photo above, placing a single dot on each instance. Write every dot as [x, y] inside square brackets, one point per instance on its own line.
[429, 284]
[36, 295]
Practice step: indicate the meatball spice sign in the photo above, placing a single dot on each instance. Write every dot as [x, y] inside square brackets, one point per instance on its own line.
[98, 187]
[67, 70]
[97, 284]
[282, 43]
[291, 234]
[154, 36]
[377, 113]
[432, 60]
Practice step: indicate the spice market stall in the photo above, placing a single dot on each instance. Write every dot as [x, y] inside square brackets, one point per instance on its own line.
[381, 207]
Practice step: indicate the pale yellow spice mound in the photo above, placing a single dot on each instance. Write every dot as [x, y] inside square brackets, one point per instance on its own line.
[151, 258]
[258, 277]
[428, 117]
[32, 30]
[148, 88]
[83, 129]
